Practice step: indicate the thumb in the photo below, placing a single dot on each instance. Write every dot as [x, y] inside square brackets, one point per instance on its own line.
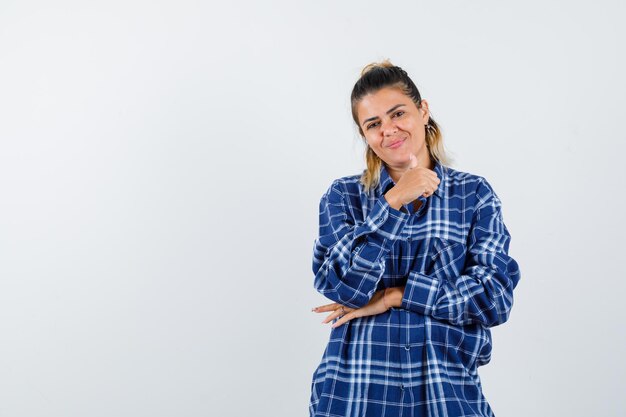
[412, 161]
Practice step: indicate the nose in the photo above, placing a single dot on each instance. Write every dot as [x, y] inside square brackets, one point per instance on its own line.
[389, 128]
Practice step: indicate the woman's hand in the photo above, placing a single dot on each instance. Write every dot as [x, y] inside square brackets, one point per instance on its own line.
[416, 181]
[376, 305]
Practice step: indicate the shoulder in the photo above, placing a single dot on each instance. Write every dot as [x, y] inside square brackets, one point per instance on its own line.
[345, 196]
[471, 186]
[345, 186]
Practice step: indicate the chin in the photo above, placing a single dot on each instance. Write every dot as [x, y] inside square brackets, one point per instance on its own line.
[398, 162]
[402, 156]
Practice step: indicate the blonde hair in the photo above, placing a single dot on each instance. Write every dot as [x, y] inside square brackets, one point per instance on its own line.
[384, 74]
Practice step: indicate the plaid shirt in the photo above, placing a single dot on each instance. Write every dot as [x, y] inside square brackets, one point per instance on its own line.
[451, 255]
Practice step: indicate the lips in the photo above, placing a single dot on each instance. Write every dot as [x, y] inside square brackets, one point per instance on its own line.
[396, 143]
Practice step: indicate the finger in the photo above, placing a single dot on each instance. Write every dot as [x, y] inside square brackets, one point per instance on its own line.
[433, 175]
[413, 161]
[332, 316]
[343, 320]
[326, 307]
[429, 191]
[433, 181]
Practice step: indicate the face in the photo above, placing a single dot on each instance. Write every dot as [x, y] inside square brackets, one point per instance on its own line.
[394, 127]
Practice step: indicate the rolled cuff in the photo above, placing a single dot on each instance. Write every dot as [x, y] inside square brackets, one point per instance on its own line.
[384, 222]
[420, 293]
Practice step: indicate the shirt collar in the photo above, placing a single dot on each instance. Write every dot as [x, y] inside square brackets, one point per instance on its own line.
[387, 182]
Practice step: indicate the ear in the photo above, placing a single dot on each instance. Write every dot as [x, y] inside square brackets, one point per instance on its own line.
[425, 111]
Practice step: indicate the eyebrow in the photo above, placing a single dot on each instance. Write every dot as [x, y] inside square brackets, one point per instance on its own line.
[388, 111]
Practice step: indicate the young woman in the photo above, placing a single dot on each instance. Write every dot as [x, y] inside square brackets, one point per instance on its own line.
[414, 256]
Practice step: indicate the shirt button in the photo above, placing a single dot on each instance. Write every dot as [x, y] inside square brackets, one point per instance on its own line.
[381, 219]
[407, 347]
[401, 386]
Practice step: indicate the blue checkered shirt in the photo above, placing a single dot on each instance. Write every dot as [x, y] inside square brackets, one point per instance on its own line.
[451, 255]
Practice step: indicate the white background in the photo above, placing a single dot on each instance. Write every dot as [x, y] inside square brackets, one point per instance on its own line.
[161, 165]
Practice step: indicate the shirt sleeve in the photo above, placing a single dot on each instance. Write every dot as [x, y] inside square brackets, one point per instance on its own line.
[348, 256]
[483, 292]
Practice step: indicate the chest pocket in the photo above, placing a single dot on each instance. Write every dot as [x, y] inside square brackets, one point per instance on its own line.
[446, 259]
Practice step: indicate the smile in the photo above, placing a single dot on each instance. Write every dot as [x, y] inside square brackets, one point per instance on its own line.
[397, 144]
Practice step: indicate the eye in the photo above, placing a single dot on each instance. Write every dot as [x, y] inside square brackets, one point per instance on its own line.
[372, 124]
[399, 113]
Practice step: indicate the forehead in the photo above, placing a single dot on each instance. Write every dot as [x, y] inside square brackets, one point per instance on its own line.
[377, 104]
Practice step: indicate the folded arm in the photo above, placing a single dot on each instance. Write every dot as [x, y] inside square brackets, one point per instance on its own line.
[483, 292]
[349, 258]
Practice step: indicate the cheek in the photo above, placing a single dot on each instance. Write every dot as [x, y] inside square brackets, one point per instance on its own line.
[417, 132]
[378, 150]
[409, 125]
[372, 142]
